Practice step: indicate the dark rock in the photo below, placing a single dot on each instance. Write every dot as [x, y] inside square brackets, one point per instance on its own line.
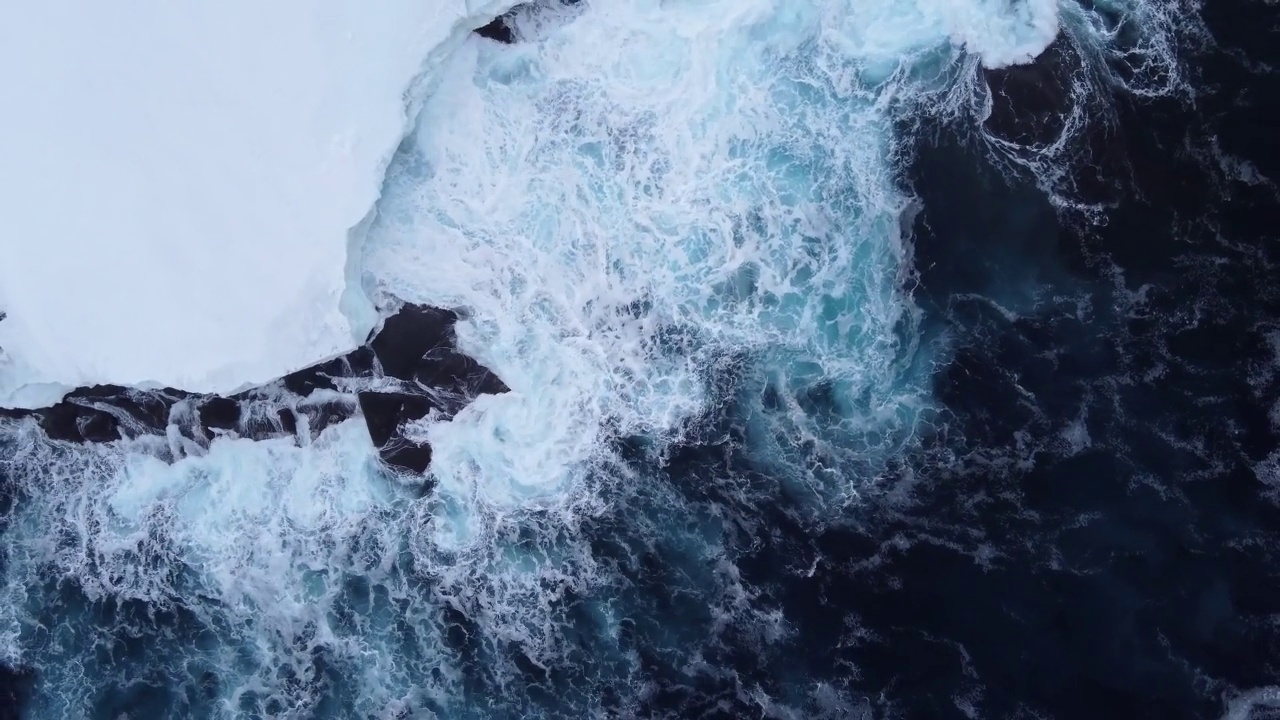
[407, 337]
[103, 413]
[415, 346]
[359, 362]
[98, 427]
[317, 377]
[288, 420]
[529, 17]
[407, 455]
[76, 423]
[322, 415]
[144, 410]
[451, 371]
[259, 427]
[497, 30]
[385, 414]
[220, 413]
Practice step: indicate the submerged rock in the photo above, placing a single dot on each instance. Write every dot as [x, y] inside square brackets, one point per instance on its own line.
[407, 369]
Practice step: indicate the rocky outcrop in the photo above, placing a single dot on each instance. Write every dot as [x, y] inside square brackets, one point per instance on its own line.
[518, 23]
[408, 369]
[498, 30]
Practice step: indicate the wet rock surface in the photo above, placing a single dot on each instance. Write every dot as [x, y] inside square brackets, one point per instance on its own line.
[524, 22]
[497, 30]
[409, 368]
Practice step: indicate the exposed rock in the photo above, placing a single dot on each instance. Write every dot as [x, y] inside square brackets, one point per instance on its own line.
[323, 413]
[407, 369]
[407, 337]
[219, 413]
[497, 30]
[528, 18]
[77, 423]
[385, 414]
[288, 420]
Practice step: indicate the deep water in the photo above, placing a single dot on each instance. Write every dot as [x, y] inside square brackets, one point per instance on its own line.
[1057, 496]
[1095, 535]
[1091, 532]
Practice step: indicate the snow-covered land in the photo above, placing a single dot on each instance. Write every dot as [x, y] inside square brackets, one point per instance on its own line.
[180, 181]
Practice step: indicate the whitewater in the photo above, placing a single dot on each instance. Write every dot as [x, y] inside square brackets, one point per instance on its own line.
[662, 223]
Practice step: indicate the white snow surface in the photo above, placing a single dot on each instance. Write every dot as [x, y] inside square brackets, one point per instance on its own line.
[181, 180]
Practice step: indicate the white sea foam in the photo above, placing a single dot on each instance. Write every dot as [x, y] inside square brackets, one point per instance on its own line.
[625, 201]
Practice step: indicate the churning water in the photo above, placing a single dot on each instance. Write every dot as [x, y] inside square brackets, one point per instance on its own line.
[733, 300]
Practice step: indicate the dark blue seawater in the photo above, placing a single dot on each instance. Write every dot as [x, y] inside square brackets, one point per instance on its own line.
[1084, 527]
[1095, 534]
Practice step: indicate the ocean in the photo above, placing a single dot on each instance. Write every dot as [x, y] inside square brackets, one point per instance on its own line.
[890, 359]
